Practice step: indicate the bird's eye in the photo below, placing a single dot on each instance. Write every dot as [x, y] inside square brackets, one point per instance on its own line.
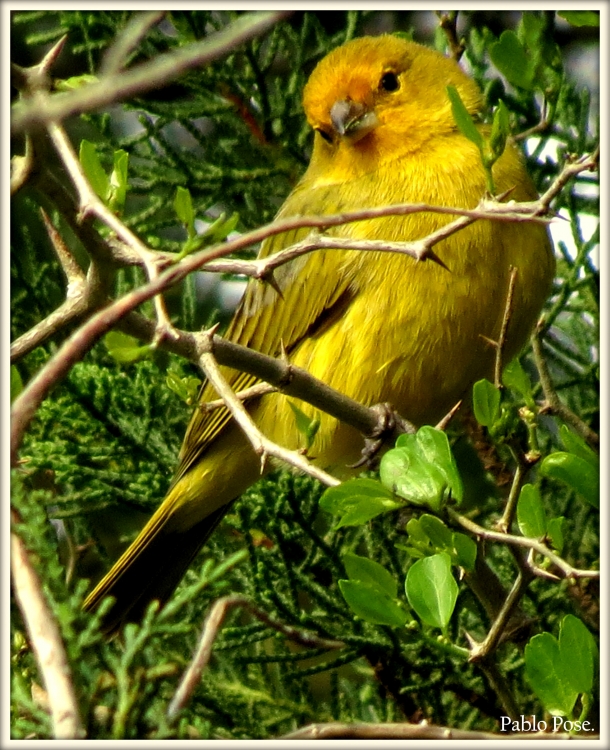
[324, 135]
[389, 82]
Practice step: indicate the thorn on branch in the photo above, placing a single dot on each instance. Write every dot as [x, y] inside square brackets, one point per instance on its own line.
[443, 424]
[500, 344]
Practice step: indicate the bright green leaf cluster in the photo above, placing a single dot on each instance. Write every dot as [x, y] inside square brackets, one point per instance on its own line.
[428, 535]
[580, 17]
[185, 386]
[422, 469]
[532, 518]
[216, 232]
[530, 59]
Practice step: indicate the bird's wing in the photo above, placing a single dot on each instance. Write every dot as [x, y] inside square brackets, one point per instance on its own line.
[313, 287]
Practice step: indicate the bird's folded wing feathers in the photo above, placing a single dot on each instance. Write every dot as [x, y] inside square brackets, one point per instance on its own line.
[265, 321]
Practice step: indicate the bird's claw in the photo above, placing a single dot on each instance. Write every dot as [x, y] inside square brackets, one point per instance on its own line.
[388, 421]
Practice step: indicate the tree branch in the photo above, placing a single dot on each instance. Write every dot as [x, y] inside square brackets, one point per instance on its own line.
[553, 403]
[407, 731]
[46, 643]
[262, 446]
[522, 541]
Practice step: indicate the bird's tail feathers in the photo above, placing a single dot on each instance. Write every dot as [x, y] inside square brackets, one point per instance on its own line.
[150, 568]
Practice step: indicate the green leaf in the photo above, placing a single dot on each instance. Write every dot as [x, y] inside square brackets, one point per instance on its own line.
[531, 516]
[183, 206]
[187, 387]
[578, 653]
[118, 180]
[510, 58]
[500, 130]
[432, 590]
[16, 383]
[416, 534]
[363, 569]
[515, 378]
[221, 228]
[75, 82]
[580, 17]
[486, 402]
[436, 531]
[465, 551]
[412, 477]
[308, 427]
[422, 469]
[372, 604]
[463, 119]
[124, 348]
[94, 172]
[554, 531]
[576, 472]
[434, 444]
[357, 501]
[573, 443]
[548, 675]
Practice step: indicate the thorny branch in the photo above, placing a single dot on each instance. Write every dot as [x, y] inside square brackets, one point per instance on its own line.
[74, 349]
[261, 445]
[521, 541]
[552, 402]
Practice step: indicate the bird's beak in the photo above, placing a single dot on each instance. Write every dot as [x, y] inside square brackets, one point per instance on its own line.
[352, 119]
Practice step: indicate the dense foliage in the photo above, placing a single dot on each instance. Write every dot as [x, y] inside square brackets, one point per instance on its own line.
[99, 454]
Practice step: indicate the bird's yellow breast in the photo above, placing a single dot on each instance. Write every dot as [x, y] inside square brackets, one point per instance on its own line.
[414, 331]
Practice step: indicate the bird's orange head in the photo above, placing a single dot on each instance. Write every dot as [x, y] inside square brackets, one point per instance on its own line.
[379, 98]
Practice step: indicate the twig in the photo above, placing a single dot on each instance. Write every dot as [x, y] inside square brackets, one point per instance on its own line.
[521, 541]
[46, 642]
[586, 163]
[210, 632]
[552, 402]
[29, 81]
[407, 731]
[84, 294]
[504, 524]
[501, 343]
[255, 391]
[262, 446]
[21, 167]
[74, 349]
[90, 204]
[129, 38]
[43, 109]
[448, 23]
[75, 275]
[498, 682]
[480, 651]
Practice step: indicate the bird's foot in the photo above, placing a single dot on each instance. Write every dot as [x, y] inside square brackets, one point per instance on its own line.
[388, 423]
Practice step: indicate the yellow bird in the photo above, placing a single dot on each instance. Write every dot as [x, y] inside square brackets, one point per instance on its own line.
[380, 327]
